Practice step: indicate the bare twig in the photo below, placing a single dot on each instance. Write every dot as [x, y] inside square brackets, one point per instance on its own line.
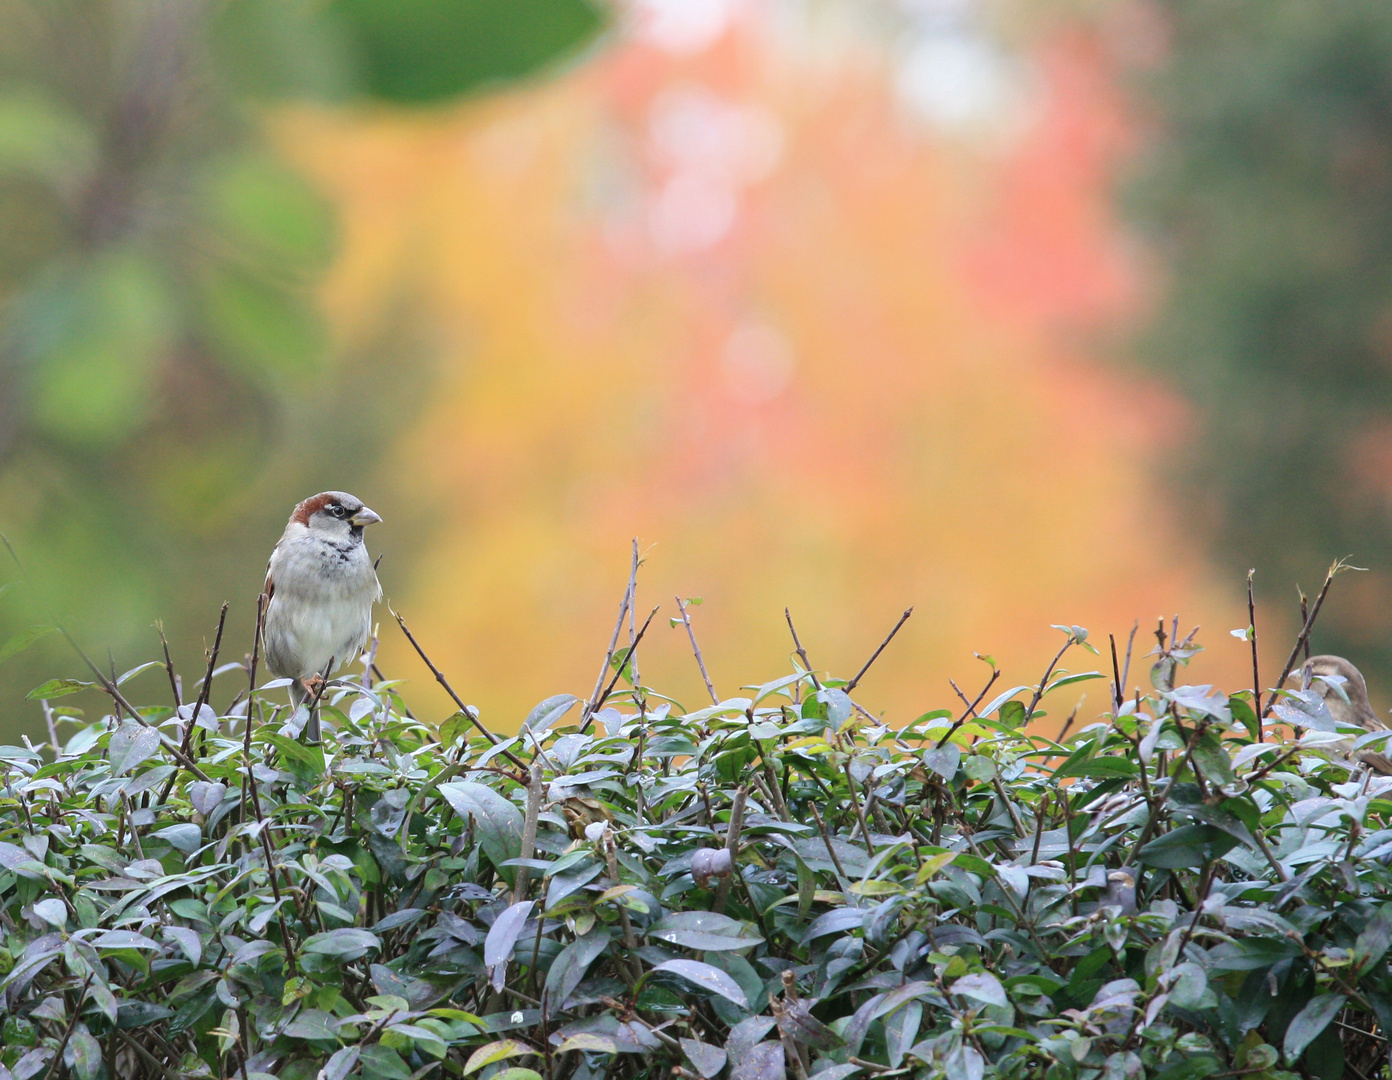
[115, 693]
[440, 678]
[826, 839]
[585, 723]
[52, 727]
[732, 834]
[859, 811]
[1337, 568]
[1043, 686]
[630, 940]
[971, 706]
[1304, 615]
[629, 591]
[1118, 693]
[1252, 637]
[203, 693]
[263, 827]
[67, 1034]
[686, 621]
[535, 792]
[876, 654]
[1063, 731]
[150, 1059]
[169, 668]
[1130, 641]
[802, 653]
[631, 657]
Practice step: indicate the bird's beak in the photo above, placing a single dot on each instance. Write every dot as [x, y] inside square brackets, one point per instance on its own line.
[365, 517]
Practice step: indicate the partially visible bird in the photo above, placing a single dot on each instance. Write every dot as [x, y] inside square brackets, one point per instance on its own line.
[320, 588]
[1357, 710]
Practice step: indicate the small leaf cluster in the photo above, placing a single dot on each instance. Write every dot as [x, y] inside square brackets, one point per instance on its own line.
[779, 884]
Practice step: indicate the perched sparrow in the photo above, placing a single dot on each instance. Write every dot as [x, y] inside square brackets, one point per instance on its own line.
[1356, 710]
[320, 588]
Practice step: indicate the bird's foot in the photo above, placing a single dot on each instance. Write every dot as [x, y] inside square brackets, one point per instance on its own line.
[314, 686]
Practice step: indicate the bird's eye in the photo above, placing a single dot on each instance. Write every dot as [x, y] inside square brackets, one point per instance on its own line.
[337, 510]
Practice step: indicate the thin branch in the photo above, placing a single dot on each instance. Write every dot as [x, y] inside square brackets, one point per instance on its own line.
[1118, 695]
[859, 812]
[1043, 687]
[440, 678]
[876, 654]
[263, 827]
[203, 694]
[1130, 641]
[585, 723]
[971, 706]
[1338, 567]
[115, 692]
[1252, 637]
[826, 839]
[686, 621]
[732, 834]
[631, 657]
[535, 794]
[169, 668]
[77, 1012]
[629, 590]
[802, 653]
[1304, 614]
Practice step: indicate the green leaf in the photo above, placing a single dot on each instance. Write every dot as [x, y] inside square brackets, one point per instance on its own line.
[56, 688]
[1069, 680]
[1098, 768]
[944, 760]
[548, 712]
[709, 978]
[497, 822]
[419, 51]
[453, 727]
[344, 944]
[1213, 760]
[495, 1052]
[704, 930]
[1373, 940]
[1309, 1022]
[1187, 846]
[309, 755]
[981, 986]
[83, 1053]
[570, 966]
[1241, 707]
[131, 744]
[22, 640]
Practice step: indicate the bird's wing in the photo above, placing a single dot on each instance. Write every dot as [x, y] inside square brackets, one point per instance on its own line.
[1379, 763]
[269, 587]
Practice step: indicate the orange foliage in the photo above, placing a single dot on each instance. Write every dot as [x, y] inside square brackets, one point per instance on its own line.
[743, 308]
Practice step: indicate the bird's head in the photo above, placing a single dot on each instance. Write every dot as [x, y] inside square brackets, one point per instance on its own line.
[1343, 689]
[335, 515]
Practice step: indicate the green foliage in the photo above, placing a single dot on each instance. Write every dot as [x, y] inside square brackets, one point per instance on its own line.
[775, 885]
[1266, 190]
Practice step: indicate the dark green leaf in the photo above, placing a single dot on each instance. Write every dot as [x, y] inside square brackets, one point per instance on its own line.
[1309, 1022]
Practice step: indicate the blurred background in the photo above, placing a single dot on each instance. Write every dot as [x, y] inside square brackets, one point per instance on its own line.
[1018, 313]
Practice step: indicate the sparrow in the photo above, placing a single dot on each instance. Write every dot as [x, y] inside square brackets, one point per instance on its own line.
[1357, 710]
[320, 588]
